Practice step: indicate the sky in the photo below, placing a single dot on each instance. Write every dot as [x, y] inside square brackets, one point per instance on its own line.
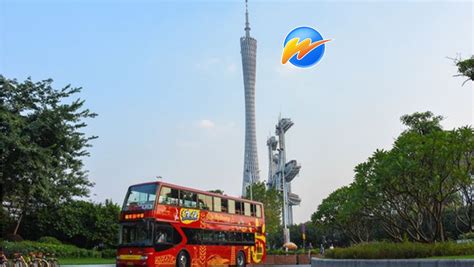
[166, 81]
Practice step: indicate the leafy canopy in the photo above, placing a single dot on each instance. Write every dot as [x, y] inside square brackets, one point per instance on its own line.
[41, 145]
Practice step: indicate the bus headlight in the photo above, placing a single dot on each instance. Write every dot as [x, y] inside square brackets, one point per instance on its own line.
[144, 258]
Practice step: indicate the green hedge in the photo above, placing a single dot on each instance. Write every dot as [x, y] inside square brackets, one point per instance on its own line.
[406, 250]
[50, 240]
[290, 252]
[469, 235]
[109, 253]
[60, 250]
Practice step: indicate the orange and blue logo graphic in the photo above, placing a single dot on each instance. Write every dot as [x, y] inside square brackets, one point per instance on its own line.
[303, 47]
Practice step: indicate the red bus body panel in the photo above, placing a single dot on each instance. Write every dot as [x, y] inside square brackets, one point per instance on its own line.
[201, 255]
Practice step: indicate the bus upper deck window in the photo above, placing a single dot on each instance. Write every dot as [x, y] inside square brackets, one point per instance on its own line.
[217, 204]
[231, 204]
[259, 211]
[225, 205]
[187, 199]
[247, 209]
[253, 208]
[168, 196]
[238, 208]
[205, 202]
[140, 197]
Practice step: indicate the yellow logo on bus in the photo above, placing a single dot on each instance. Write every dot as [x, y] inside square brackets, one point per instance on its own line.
[188, 216]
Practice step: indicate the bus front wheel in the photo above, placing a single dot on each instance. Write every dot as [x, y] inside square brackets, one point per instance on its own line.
[241, 259]
[183, 259]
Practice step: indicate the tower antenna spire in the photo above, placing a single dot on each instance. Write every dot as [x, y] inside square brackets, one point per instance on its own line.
[247, 24]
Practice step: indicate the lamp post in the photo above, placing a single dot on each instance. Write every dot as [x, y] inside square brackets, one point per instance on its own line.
[251, 184]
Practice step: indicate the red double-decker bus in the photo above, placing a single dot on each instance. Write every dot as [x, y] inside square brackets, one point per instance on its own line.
[162, 224]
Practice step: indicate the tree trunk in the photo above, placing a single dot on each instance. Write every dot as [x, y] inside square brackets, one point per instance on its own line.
[439, 221]
[470, 215]
[2, 194]
[2, 215]
[441, 225]
[18, 224]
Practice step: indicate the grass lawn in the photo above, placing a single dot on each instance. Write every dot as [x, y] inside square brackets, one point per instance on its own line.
[79, 261]
[454, 257]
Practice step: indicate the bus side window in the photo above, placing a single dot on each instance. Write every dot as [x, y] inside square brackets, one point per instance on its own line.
[259, 211]
[231, 204]
[194, 236]
[187, 199]
[225, 205]
[247, 209]
[221, 237]
[205, 202]
[237, 238]
[252, 209]
[168, 196]
[238, 208]
[217, 204]
[208, 237]
[249, 238]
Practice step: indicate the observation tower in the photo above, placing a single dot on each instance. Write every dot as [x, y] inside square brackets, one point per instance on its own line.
[248, 50]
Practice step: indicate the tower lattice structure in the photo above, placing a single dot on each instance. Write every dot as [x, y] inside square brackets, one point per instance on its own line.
[248, 50]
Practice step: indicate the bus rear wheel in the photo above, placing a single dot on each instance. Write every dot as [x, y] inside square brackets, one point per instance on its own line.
[183, 259]
[241, 259]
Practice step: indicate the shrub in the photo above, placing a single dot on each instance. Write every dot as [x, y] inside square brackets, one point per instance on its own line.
[50, 240]
[60, 250]
[405, 250]
[276, 252]
[290, 252]
[109, 253]
[469, 235]
[13, 238]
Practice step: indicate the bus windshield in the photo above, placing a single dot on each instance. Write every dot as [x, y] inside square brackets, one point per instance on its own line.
[140, 197]
[136, 234]
[147, 233]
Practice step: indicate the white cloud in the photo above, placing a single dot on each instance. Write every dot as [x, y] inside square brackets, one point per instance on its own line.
[206, 124]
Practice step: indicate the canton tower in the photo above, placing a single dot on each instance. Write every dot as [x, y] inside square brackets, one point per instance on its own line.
[248, 49]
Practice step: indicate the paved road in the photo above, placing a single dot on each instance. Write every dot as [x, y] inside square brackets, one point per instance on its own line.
[282, 265]
[113, 265]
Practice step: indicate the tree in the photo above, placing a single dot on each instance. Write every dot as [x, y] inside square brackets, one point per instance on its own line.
[422, 123]
[409, 190]
[41, 146]
[84, 224]
[342, 212]
[216, 191]
[463, 202]
[465, 68]
[410, 186]
[272, 203]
